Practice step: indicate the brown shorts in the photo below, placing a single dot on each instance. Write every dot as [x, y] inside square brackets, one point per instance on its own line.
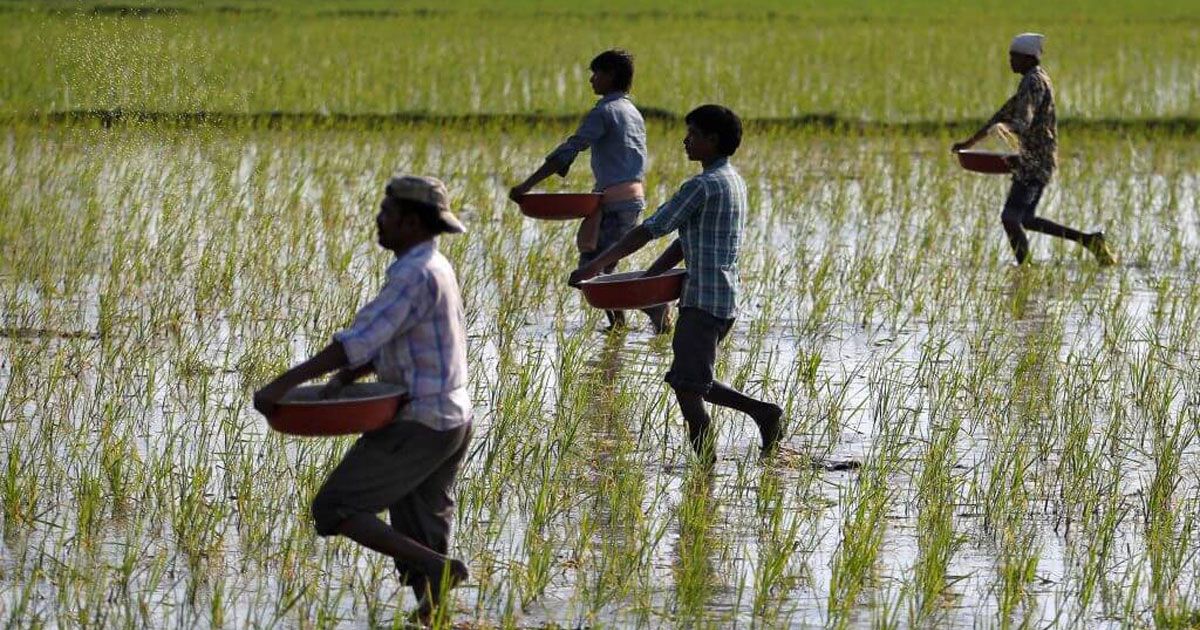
[405, 468]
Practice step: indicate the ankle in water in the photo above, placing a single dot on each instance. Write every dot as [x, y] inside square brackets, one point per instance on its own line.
[770, 427]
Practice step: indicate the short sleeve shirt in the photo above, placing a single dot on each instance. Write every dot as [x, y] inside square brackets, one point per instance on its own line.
[709, 211]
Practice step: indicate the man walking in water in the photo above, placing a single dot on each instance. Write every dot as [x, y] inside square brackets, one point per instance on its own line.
[1030, 115]
[413, 334]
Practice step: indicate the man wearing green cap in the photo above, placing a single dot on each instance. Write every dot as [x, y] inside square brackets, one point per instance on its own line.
[1030, 115]
[413, 334]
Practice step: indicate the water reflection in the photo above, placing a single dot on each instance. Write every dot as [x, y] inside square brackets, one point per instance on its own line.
[694, 554]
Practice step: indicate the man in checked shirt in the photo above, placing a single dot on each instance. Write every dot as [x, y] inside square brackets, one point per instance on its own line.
[1030, 114]
[412, 334]
[709, 212]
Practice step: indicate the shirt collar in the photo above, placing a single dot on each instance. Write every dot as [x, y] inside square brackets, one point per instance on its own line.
[718, 163]
[419, 251]
[612, 96]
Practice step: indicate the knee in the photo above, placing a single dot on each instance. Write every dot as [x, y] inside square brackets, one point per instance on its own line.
[687, 389]
[687, 394]
[1011, 224]
[327, 514]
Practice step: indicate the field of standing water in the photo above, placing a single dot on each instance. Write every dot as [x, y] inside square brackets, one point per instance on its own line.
[968, 444]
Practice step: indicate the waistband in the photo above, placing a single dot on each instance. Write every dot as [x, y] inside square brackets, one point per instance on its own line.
[623, 191]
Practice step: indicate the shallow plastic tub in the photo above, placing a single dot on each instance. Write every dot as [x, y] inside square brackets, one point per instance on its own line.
[358, 408]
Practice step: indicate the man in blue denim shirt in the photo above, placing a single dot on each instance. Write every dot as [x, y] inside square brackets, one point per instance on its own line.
[709, 212]
[616, 134]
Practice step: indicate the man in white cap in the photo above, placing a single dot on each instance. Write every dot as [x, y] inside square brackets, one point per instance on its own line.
[413, 334]
[1030, 115]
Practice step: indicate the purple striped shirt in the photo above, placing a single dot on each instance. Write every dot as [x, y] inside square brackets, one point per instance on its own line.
[414, 332]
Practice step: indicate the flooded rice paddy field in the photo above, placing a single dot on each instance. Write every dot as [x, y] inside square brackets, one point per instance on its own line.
[968, 443]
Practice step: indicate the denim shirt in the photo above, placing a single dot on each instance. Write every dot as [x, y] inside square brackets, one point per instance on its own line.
[709, 211]
[616, 134]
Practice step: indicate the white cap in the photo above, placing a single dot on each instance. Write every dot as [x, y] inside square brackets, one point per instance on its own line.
[1028, 44]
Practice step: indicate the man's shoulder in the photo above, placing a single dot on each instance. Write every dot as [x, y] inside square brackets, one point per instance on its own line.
[1036, 79]
[413, 266]
[619, 107]
[696, 183]
[724, 175]
[429, 275]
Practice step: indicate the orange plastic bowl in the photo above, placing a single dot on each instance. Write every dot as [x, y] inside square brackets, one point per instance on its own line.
[985, 161]
[359, 408]
[559, 206]
[630, 290]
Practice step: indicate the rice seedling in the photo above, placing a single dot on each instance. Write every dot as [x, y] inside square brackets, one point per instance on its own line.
[967, 443]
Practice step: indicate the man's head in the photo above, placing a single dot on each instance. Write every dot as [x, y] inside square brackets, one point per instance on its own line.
[612, 71]
[414, 209]
[1025, 52]
[714, 131]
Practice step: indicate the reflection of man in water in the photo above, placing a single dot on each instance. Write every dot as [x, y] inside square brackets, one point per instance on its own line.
[1030, 114]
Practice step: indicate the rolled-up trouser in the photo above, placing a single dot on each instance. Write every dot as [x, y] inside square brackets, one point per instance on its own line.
[408, 469]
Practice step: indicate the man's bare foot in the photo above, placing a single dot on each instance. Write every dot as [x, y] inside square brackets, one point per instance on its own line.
[770, 427]
[456, 573]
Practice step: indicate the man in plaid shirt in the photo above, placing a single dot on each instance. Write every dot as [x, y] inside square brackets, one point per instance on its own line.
[412, 334]
[709, 212]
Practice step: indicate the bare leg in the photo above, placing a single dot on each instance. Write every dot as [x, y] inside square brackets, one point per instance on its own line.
[766, 415]
[1017, 239]
[372, 533]
[699, 425]
[616, 319]
[1046, 226]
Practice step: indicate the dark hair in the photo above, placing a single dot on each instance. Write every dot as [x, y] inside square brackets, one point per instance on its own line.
[719, 121]
[619, 64]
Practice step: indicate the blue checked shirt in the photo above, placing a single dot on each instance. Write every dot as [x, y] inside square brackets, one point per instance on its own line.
[616, 133]
[414, 332]
[710, 212]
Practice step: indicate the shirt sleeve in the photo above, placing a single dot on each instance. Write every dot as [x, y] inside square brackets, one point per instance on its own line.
[391, 313]
[1018, 111]
[590, 130]
[678, 209]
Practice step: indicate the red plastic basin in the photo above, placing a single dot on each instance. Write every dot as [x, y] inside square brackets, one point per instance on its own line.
[359, 407]
[630, 290]
[991, 162]
[559, 206]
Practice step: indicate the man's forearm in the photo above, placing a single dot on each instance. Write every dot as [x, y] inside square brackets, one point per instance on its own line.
[633, 240]
[548, 168]
[332, 357]
[667, 260]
